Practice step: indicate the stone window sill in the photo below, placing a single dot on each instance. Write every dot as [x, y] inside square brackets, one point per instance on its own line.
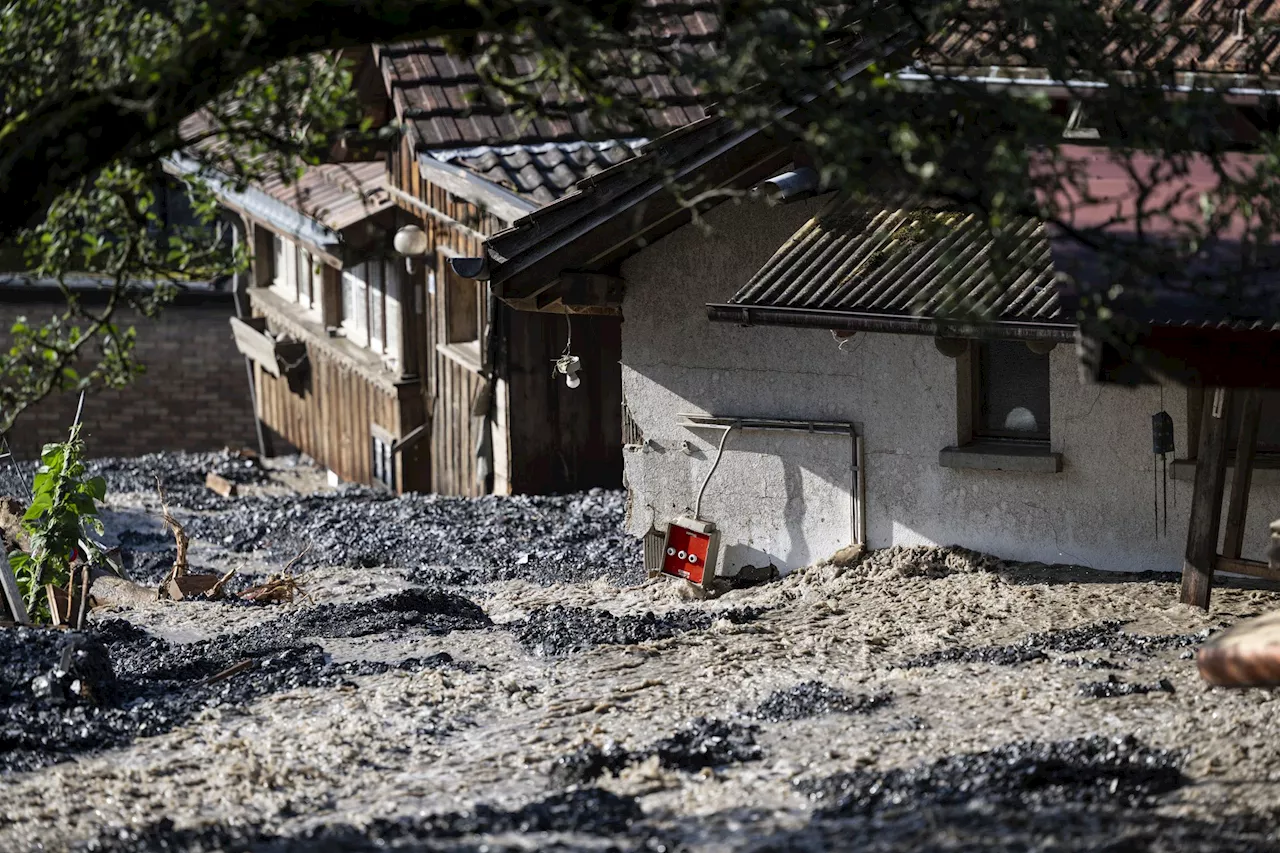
[1266, 469]
[1029, 457]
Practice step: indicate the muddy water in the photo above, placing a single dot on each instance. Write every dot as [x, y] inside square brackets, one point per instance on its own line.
[921, 699]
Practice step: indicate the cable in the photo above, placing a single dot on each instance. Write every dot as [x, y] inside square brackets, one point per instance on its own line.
[697, 507]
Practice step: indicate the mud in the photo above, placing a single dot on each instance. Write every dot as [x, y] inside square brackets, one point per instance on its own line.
[442, 694]
[814, 699]
[1104, 636]
[557, 631]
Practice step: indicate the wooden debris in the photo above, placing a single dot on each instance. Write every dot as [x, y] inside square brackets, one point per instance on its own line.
[59, 604]
[279, 588]
[234, 669]
[1247, 655]
[216, 592]
[219, 484]
[181, 541]
[186, 586]
[10, 594]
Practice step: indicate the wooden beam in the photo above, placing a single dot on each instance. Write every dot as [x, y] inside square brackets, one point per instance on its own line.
[1206, 502]
[1252, 568]
[1242, 475]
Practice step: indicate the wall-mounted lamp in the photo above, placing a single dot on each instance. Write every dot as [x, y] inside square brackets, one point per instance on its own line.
[411, 241]
[569, 365]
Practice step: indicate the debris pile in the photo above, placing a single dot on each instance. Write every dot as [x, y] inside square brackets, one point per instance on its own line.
[134, 684]
[558, 630]
[703, 742]
[815, 699]
[1101, 636]
[1113, 687]
[1118, 771]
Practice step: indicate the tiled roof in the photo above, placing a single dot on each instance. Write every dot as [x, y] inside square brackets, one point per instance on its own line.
[337, 195]
[441, 97]
[1195, 35]
[909, 261]
[544, 172]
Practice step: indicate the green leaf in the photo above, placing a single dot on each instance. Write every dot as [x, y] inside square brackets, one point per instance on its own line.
[96, 487]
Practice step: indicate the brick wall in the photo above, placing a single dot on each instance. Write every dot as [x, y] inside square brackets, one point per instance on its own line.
[193, 396]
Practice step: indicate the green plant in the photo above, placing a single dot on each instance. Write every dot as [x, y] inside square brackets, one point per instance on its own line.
[63, 501]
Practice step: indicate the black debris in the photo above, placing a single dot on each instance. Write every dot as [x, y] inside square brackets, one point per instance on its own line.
[587, 763]
[1102, 636]
[143, 685]
[557, 630]
[1119, 771]
[590, 811]
[815, 699]
[707, 743]
[181, 474]
[703, 742]
[1113, 687]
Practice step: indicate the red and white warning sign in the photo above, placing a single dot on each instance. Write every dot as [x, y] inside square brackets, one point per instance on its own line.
[690, 550]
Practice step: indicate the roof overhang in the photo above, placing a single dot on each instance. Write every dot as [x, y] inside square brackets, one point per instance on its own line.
[261, 207]
[855, 321]
[499, 201]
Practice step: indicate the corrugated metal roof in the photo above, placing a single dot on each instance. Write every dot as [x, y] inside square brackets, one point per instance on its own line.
[909, 259]
[544, 172]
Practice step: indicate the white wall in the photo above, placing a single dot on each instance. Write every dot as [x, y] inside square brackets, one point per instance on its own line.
[784, 498]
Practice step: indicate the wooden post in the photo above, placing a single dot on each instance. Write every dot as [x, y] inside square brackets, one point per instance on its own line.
[1206, 501]
[1242, 476]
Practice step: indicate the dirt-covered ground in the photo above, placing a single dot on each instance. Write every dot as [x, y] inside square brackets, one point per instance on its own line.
[499, 675]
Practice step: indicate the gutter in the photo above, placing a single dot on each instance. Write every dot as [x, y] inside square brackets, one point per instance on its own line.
[926, 81]
[854, 321]
[258, 205]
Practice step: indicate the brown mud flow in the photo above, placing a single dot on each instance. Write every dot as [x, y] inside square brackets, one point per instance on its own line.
[498, 675]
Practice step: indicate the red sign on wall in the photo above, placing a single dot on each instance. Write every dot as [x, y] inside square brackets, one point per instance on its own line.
[687, 553]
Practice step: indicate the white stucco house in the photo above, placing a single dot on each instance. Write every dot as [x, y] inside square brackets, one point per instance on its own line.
[831, 321]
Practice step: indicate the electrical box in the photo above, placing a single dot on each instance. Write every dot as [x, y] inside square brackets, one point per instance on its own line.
[690, 550]
[1162, 433]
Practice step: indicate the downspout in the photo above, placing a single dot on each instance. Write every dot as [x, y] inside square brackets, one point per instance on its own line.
[484, 403]
[238, 291]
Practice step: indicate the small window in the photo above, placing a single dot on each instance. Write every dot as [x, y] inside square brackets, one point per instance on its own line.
[355, 306]
[377, 306]
[1012, 391]
[382, 461]
[280, 264]
[305, 273]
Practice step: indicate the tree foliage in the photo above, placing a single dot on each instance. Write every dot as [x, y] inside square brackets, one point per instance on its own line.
[883, 96]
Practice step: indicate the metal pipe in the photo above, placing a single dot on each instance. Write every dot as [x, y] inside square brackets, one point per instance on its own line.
[697, 507]
[816, 318]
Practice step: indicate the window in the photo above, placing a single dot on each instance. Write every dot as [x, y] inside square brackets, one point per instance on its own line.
[306, 274]
[355, 306]
[1012, 391]
[282, 267]
[382, 461]
[377, 306]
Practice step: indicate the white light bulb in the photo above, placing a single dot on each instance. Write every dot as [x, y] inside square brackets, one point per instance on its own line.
[572, 380]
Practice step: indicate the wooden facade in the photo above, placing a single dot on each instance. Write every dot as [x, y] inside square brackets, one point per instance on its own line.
[545, 437]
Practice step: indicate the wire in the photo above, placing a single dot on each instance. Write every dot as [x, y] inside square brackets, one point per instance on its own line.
[568, 341]
[697, 507]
